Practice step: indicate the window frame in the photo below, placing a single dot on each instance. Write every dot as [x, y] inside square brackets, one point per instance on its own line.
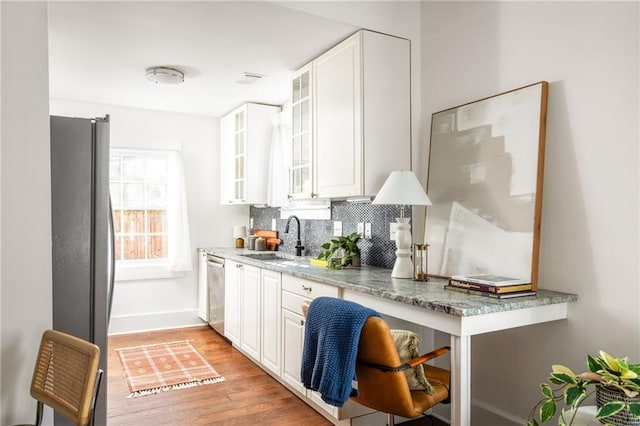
[148, 268]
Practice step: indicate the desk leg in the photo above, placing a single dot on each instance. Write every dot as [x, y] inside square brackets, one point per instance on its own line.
[460, 381]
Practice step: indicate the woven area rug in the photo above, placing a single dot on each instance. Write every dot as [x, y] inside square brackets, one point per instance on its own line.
[165, 366]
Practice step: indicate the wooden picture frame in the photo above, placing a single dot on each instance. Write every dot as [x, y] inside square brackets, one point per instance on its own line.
[486, 163]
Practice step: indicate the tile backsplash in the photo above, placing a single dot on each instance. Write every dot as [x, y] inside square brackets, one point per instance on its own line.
[377, 251]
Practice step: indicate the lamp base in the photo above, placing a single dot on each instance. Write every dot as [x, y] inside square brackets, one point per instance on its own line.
[403, 267]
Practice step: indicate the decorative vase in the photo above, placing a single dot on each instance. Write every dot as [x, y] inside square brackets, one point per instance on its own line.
[355, 261]
[623, 418]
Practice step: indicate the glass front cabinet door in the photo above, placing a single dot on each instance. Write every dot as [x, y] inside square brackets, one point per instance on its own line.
[245, 139]
[301, 171]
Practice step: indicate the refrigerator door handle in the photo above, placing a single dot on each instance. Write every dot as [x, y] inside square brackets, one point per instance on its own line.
[112, 261]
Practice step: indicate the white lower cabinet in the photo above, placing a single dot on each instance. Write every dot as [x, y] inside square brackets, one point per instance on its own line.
[203, 288]
[292, 341]
[295, 292]
[250, 322]
[243, 307]
[264, 319]
[271, 284]
[232, 299]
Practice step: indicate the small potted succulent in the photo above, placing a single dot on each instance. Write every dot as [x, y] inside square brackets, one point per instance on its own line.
[614, 381]
[341, 251]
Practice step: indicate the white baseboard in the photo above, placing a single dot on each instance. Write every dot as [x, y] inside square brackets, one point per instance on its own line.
[482, 414]
[155, 321]
[485, 414]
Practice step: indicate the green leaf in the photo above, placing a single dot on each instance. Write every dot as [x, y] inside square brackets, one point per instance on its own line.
[564, 378]
[532, 422]
[612, 363]
[634, 408]
[557, 368]
[609, 409]
[596, 364]
[573, 394]
[548, 410]
[546, 390]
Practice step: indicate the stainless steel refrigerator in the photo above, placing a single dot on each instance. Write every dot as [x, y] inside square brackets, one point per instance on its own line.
[82, 236]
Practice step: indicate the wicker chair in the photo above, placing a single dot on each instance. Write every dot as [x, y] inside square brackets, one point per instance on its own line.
[382, 383]
[66, 377]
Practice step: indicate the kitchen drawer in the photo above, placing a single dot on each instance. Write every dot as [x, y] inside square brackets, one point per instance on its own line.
[307, 288]
[293, 302]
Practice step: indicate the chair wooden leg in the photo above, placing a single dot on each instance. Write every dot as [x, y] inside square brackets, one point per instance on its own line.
[390, 420]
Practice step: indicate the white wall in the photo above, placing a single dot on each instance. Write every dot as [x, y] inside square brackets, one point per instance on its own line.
[25, 247]
[169, 302]
[589, 53]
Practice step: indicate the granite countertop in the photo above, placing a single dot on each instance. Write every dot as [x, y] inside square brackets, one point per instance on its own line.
[378, 282]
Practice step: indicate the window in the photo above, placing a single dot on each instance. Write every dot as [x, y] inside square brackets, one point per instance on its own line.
[138, 184]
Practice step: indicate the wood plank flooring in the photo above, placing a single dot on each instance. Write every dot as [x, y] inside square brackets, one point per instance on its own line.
[247, 396]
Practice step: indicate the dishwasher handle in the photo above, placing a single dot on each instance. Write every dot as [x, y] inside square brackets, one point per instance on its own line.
[216, 261]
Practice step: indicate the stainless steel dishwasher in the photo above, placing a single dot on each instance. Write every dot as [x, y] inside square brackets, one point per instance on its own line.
[215, 283]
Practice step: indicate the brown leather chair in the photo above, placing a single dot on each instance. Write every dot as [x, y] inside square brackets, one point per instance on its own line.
[66, 377]
[382, 383]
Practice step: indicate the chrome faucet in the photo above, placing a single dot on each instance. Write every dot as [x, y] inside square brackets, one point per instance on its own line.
[299, 246]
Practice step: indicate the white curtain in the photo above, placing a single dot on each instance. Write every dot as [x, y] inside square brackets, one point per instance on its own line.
[178, 217]
[278, 179]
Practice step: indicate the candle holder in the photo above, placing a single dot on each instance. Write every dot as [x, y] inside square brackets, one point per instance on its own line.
[420, 262]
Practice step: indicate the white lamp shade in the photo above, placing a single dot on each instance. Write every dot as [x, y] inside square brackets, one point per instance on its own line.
[402, 188]
[239, 231]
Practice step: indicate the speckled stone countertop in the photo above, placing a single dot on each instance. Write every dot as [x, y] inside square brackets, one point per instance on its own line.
[378, 282]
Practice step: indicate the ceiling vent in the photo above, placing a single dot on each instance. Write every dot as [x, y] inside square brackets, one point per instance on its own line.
[250, 78]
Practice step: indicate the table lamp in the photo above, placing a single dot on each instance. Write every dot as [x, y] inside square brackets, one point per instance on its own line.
[239, 233]
[402, 188]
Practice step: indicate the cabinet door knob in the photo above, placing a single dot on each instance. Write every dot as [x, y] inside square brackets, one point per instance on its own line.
[305, 288]
[301, 322]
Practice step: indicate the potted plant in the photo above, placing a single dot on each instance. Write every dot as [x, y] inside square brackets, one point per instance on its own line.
[614, 381]
[341, 251]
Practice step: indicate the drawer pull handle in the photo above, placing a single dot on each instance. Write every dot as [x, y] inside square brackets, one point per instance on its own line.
[305, 288]
[301, 322]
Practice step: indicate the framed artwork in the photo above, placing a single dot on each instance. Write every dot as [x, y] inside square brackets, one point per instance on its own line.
[486, 163]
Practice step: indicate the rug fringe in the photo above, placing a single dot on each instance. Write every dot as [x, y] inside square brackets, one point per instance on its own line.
[153, 344]
[192, 384]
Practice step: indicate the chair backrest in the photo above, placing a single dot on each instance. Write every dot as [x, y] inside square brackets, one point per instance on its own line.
[383, 391]
[64, 377]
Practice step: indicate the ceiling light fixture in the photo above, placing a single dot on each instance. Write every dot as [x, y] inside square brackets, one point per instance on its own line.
[164, 75]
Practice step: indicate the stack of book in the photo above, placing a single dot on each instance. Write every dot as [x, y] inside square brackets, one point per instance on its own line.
[491, 286]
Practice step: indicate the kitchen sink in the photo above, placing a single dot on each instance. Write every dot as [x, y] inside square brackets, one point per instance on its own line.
[280, 259]
[261, 256]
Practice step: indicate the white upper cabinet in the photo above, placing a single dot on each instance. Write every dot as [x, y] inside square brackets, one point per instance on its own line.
[360, 117]
[245, 141]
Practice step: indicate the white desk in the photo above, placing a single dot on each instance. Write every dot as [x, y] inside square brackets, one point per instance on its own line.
[429, 304]
[461, 328]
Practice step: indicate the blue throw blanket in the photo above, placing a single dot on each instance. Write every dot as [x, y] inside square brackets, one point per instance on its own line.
[332, 333]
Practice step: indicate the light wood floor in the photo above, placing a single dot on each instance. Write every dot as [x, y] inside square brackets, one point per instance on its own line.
[247, 396]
